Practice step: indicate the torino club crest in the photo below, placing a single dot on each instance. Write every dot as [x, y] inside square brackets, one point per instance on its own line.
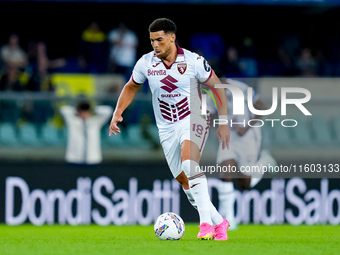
[182, 67]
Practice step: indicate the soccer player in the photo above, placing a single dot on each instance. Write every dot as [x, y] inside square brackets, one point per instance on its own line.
[245, 151]
[182, 130]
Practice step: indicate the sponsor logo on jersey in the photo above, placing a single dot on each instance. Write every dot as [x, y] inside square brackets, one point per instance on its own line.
[156, 72]
[171, 95]
[169, 85]
[182, 67]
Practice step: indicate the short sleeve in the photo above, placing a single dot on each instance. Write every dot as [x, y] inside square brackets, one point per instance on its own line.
[203, 71]
[139, 72]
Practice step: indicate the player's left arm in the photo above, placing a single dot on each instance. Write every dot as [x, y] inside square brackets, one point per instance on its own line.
[223, 132]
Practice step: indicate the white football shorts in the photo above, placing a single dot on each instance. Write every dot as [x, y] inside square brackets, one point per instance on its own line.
[243, 149]
[195, 129]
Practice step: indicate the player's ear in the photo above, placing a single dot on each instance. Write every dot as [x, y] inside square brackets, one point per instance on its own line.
[173, 37]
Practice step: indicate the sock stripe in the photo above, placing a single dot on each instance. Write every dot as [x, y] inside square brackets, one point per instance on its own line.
[196, 176]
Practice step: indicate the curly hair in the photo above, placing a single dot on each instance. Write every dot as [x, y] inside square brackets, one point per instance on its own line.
[167, 25]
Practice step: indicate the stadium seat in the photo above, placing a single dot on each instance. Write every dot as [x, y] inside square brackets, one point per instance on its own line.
[8, 134]
[64, 135]
[135, 137]
[132, 138]
[267, 136]
[113, 140]
[302, 133]
[282, 135]
[336, 123]
[321, 130]
[28, 135]
[154, 132]
[51, 135]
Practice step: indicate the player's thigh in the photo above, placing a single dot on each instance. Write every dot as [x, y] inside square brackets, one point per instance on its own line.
[172, 150]
[199, 131]
[193, 138]
[190, 151]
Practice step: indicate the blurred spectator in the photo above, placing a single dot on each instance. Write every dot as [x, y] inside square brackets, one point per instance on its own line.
[14, 60]
[307, 63]
[286, 65]
[123, 50]
[41, 67]
[12, 54]
[234, 66]
[211, 46]
[39, 111]
[93, 50]
[291, 44]
[10, 81]
[330, 56]
[248, 58]
[230, 65]
[287, 52]
[84, 126]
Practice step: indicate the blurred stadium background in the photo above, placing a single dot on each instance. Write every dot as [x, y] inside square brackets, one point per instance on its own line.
[265, 42]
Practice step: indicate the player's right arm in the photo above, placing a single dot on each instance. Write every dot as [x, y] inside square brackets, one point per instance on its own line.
[128, 93]
[126, 96]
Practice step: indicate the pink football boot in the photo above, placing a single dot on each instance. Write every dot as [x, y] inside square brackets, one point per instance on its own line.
[221, 231]
[207, 232]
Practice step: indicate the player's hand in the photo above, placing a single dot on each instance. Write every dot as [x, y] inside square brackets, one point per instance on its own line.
[223, 135]
[114, 129]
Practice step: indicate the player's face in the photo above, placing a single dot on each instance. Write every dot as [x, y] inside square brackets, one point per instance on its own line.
[161, 43]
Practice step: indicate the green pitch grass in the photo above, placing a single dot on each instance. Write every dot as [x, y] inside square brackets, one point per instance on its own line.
[135, 240]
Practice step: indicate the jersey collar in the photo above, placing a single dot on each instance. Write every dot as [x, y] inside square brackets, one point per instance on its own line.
[179, 58]
[180, 54]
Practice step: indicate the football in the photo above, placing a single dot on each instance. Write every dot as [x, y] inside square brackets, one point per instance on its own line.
[169, 226]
